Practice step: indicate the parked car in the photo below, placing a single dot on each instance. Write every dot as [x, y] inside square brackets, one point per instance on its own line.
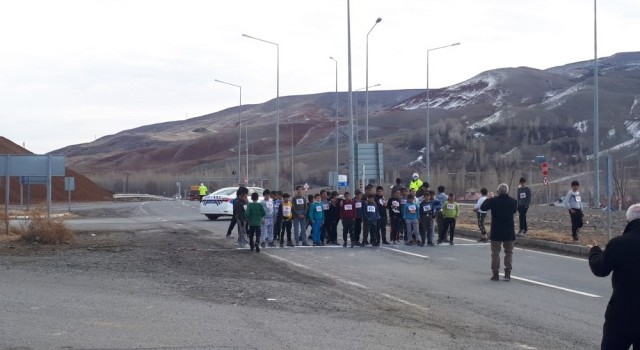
[219, 203]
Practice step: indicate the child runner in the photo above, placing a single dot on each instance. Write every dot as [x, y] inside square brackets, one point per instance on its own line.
[239, 211]
[372, 218]
[331, 219]
[277, 220]
[382, 213]
[267, 223]
[299, 210]
[411, 215]
[395, 217]
[255, 217]
[316, 216]
[347, 215]
[403, 226]
[427, 214]
[285, 215]
[450, 212]
[357, 226]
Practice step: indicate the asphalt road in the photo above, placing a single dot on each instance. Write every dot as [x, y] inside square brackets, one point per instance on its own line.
[361, 298]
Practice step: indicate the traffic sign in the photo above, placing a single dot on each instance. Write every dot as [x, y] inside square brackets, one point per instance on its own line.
[545, 169]
[545, 181]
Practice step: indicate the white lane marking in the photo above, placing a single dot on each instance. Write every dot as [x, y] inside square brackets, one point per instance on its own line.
[534, 251]
[180, 224]
[339, 279]
[405, 252]
[555, 287]
[405, 302]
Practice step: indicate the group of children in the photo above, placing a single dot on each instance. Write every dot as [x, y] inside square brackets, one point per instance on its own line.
[412, 214]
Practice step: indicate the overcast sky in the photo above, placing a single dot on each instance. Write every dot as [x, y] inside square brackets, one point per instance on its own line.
[71, 71]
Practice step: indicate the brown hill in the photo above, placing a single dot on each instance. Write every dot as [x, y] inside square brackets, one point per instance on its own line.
[86, 190]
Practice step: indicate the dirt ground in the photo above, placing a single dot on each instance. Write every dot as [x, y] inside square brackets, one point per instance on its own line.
[199, 267]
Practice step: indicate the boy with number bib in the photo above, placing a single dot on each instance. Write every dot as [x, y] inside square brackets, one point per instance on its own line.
[255, 215]
[285, 215]
[316, 217]
[347, 215]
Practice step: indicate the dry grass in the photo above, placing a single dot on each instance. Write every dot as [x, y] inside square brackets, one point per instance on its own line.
[39, 228]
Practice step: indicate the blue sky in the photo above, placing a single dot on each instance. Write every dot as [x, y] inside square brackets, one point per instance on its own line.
[71, 71]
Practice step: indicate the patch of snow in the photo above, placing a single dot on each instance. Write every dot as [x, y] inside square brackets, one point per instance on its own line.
[492, 119]
[581, 126]
[477, 135]
[636, 102]
[556, 100]
[633, 128]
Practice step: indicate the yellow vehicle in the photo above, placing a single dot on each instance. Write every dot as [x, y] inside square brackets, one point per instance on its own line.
[194, 193]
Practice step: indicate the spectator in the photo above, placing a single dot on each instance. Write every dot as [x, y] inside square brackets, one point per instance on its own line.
[481, 216]
[524, 200]
[622, 318]
[503, 232]
[573, 202]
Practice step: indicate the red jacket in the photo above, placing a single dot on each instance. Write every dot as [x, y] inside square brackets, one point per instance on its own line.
[348, 209]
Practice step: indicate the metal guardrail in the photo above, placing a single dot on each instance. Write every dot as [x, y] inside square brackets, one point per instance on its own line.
[140, 197]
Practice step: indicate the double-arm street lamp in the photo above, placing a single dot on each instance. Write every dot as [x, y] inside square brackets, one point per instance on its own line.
[337, 98]
[426, 149]
[239, 127]
[367, 83]
[277, 184]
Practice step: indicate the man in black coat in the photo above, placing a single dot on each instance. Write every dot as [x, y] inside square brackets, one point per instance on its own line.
[503, 233]
[622, 256]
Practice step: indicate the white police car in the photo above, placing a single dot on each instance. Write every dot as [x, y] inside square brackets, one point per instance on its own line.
[219, 203]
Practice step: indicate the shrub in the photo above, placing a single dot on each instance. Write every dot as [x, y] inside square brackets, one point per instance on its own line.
[41, 229]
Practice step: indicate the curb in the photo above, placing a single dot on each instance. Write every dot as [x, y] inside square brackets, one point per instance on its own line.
[523, 242]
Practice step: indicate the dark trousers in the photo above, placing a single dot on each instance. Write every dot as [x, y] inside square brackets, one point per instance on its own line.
[522, 215]
[333, 231]
[439, 225]
[347, 229]
[616, 341]
[277, 227]
[426, 227]
[396, 228]
[365, 230]
[481, 218]
[285, 226]
[373, 233]
[254, 230]
[357, 228]
[576, 221]
[382, 230]
[448, 224]
[232, 224]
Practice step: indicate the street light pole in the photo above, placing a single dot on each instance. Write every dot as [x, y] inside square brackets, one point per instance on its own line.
[239, 127]
[426, 149]
[337, 98]
[356, 115]
[352, 157]
[277, 105]
[596, 119]
[367, 84]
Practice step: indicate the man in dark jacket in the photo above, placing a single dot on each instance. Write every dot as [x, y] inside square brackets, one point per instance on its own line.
[503, 208]
[622, 256]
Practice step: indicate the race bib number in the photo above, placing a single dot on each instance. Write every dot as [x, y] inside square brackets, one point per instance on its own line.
[348, 207]
[451, 206]
[286, 210]
[270, 205]
[426, 208]
[395, 204]
[523, 195]
[318, 209]
[578, 199]
[358, 205]
[371, 208]
[300, 201]
[412, 209]
[325, 206]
